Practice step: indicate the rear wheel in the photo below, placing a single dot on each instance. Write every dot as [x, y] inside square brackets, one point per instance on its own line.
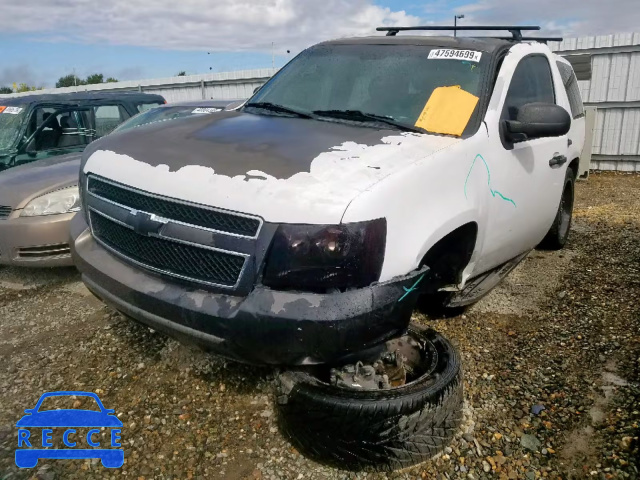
[558, 234]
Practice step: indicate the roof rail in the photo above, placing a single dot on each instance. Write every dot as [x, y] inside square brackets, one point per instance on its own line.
[532, 39]
[515, 30]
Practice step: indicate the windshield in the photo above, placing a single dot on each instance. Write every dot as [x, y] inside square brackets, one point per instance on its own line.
[393, 81]
[10, 124]
[162, 114]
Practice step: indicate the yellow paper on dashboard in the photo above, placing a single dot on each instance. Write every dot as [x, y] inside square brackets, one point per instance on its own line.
[447, 111]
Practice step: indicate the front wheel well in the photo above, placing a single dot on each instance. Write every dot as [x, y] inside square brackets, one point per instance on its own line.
[449, 256]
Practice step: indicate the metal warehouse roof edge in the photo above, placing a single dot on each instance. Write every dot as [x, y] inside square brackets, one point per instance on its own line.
[595, 42]
[185, 80]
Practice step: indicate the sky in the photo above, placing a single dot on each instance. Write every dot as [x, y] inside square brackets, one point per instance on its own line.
[42, 40]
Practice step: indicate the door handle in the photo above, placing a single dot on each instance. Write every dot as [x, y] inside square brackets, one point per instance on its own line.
[557, 160]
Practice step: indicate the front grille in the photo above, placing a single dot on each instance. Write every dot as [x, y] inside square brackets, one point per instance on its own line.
[44, 251]
[4, 212]
[169, 257]
[174, 210]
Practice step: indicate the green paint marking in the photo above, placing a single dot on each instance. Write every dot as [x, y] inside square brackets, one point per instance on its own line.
[493, 192]
[407, 291]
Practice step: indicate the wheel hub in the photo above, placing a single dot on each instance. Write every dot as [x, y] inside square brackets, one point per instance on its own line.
[402, 359]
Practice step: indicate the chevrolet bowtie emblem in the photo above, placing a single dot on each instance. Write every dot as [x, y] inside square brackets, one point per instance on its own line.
[144, 223]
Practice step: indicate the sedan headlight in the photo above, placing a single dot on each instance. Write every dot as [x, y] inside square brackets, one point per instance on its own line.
[326, 257]
[61, 201]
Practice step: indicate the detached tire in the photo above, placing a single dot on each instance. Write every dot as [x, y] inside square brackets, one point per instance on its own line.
[375, 429]
[558, 234]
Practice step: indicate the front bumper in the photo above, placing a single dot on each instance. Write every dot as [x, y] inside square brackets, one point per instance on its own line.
[35, 241]
[264, 327]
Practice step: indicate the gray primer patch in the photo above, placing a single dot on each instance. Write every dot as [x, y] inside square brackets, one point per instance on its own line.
[198, 298]
[279, 303]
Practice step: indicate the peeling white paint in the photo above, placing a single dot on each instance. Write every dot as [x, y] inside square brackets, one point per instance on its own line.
[315, 197]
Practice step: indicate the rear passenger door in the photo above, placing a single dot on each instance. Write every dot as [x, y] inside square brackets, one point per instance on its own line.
[575, 108]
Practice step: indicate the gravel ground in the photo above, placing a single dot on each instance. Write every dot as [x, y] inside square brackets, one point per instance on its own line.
[551, 359]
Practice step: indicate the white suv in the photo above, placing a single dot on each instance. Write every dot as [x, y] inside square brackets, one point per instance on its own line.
[302, 227]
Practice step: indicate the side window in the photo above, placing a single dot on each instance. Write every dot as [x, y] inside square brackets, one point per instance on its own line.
[108, 117]
[60, 129]
[143, 107]
[532, 82]
[573, 91]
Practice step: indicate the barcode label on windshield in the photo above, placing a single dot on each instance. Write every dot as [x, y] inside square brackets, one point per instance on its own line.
[206, 110]
[447, 53]
[11, 110]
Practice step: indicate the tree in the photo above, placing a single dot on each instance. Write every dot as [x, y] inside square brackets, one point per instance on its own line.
[69, 81]
[6, 90]
[95, 79]
[23, 87]
[112, 80]
[181, 74]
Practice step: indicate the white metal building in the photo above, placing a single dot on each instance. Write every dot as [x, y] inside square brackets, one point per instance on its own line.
[614, 89]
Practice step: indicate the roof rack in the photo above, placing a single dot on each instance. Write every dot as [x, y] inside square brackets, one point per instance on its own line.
[515, 30]
[532, 39]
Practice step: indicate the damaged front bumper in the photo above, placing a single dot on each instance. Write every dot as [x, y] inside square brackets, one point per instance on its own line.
[264, 327]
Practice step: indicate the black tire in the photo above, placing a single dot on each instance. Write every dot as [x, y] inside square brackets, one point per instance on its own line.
[374, 429]
[558, 234]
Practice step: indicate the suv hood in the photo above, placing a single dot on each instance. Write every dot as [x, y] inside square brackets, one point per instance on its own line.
[19, 185]
[283, 169]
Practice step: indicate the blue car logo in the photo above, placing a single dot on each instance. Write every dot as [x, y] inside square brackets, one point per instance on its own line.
[27, 456]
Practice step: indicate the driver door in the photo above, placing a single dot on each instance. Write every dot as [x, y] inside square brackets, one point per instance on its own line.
[53, 131]
[529, 173]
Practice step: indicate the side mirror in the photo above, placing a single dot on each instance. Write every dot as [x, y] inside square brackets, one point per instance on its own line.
[255, 90]
[537, 120]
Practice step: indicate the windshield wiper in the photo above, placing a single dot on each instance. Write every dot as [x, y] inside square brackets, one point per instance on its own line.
[278, 108]
[359, 116]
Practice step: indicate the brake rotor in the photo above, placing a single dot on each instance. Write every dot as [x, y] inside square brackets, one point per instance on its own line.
[400, 358]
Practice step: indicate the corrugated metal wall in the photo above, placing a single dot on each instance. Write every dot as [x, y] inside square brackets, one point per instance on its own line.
[614, 89]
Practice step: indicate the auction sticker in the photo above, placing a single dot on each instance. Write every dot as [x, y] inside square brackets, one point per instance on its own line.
[11, 110]
[206, 110]
[448, 53]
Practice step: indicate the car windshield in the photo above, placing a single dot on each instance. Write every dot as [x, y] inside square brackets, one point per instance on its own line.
[391, 81]
[162, 114]
[10, 124]
[68, 402]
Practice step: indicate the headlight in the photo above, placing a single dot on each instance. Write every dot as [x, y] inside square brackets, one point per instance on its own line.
[325, 257]
[61, 201]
